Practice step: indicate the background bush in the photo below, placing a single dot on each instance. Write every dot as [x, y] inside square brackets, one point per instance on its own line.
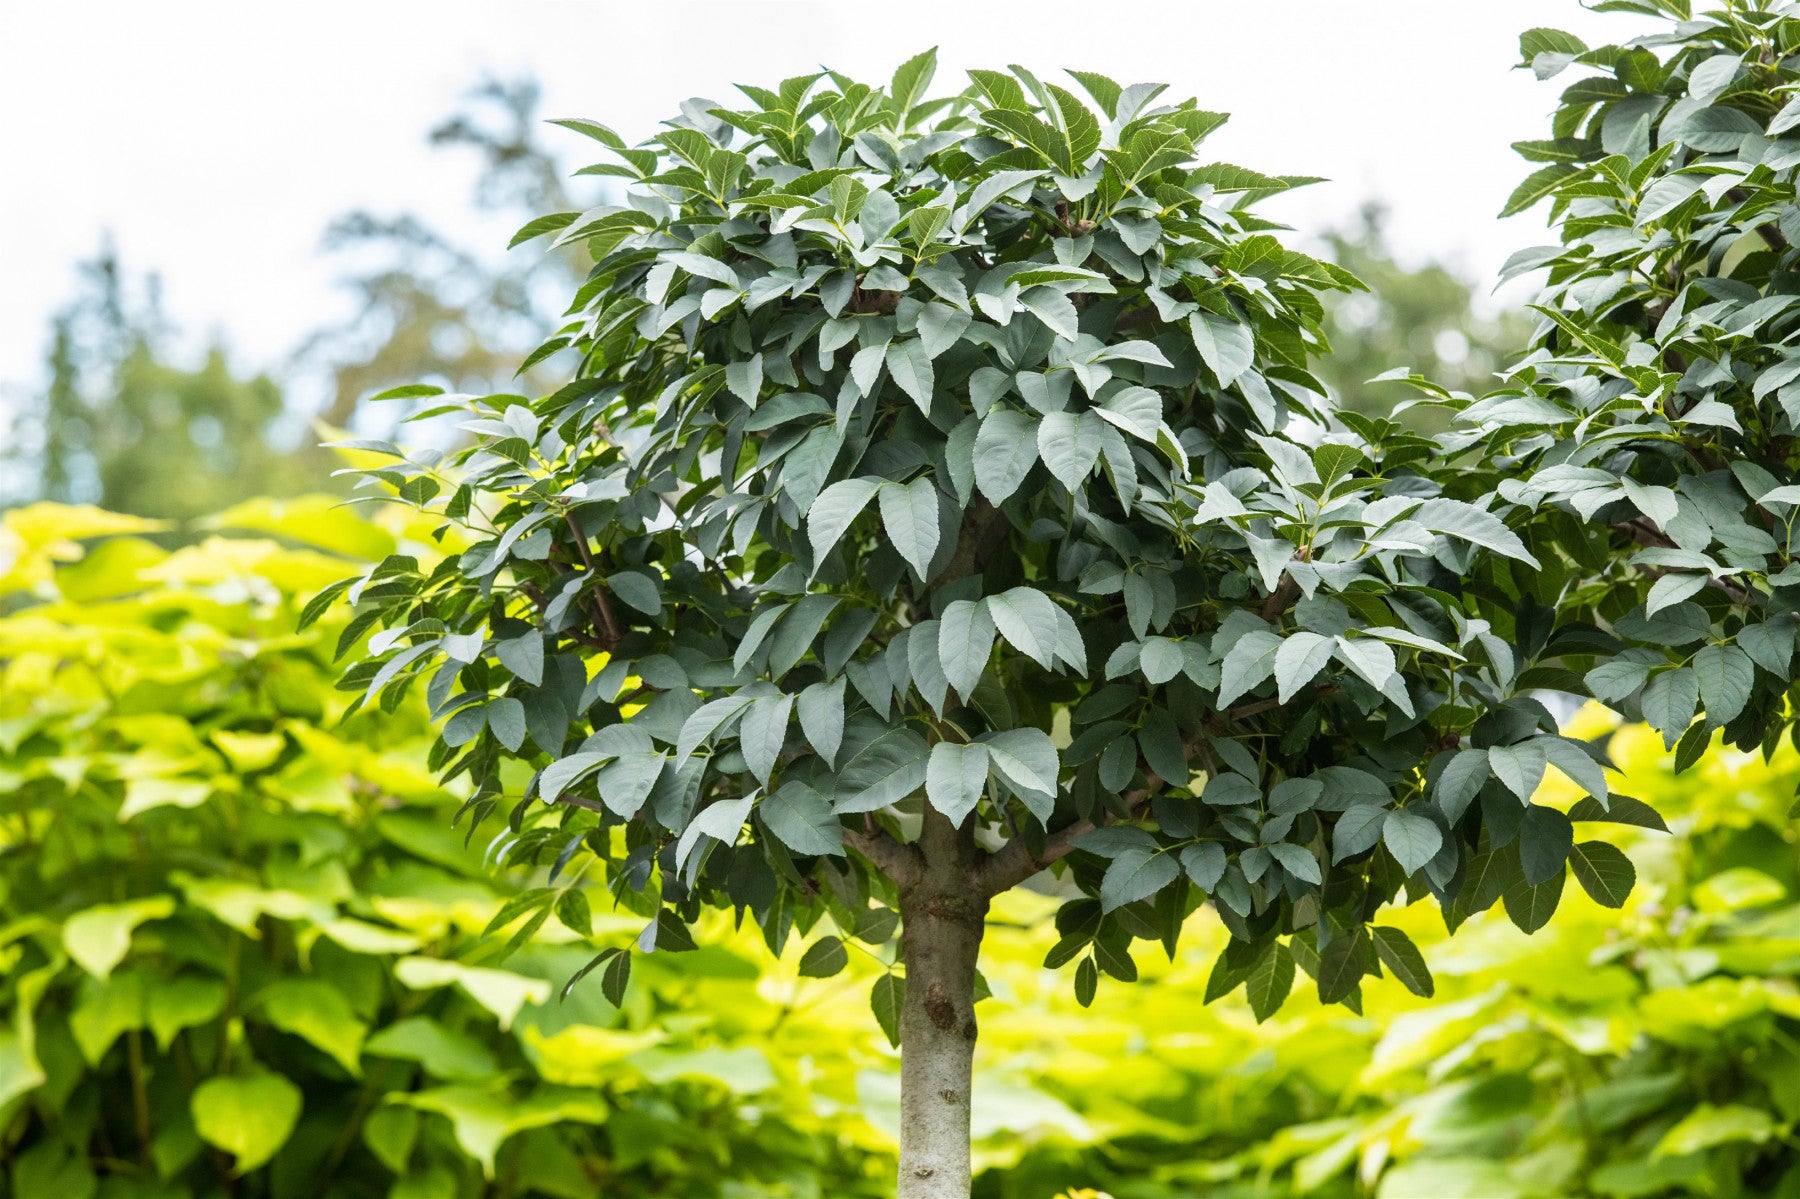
[240, 954]
[239, 937]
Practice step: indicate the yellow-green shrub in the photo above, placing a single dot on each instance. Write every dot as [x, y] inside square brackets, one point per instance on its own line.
[239, 946]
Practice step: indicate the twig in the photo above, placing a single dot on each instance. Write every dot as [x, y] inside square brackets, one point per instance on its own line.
[606, 613]
[1012, 864]
[1645, 534]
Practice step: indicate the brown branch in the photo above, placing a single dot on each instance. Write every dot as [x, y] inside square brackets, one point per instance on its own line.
[1245, 711]
[587, 557]
[1012, 863]
[899, 862]
[1286, 591]
[1640, 530]
[984, 530]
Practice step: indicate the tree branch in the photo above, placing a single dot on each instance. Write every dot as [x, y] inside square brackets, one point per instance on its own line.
[1286, 591]
[1640, 530]
[587, 557]
[1012, 863]
[984, 531]
[899, 862]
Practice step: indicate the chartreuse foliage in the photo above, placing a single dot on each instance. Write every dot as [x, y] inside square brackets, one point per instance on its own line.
[959, 458]
[240, 945]
[1643, 1051]
[1659, 408]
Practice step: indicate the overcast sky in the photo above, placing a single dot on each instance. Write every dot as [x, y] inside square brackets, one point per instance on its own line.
[216, 140]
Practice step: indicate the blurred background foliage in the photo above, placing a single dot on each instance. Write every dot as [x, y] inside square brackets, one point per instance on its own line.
[240, 945]
[241, 955]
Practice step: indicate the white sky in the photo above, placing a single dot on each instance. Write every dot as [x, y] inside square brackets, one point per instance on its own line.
[217, 140]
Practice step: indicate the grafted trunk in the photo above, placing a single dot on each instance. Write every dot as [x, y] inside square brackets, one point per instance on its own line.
[943, 912]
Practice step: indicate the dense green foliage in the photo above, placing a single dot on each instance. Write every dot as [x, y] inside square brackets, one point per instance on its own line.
[1619, 1052]
[960, 457]
[1658, 409]
[239, 937]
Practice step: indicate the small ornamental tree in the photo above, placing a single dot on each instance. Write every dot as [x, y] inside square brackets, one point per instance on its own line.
[941, 498]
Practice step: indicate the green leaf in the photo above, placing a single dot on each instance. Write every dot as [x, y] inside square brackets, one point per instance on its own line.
[1227, 347]
[965, 641]
[1544, 841]
[1163, 750]
[1248, 664]
[910, 515]
[1161, 659]
[1342, 964]
[317, 1012]
[1136, 410]
[1726, 675]
[1465, 521]
[761, 734]
[835, 509]
[940, 328]
[955, 778]
[506, 719]
[1136, 874]
[1027, 759]
[911, 78]
[1087, 982]
[1460, 782]
[638, 590]
[98, 938]
[444, 1053]
[887, 998]
[1069, 444]
[1707, 1126]
[1604, 872]
[1358, 830]
[1668, 703]
[1413, 840]
[536, 227]
[1299, 660]
[1026, 617]
[1530, 907]
[822, 717]
[803, 820]
[909, 362]
[886, 771]
[1204, 864]
[1542, 182]
[248, 1117]
[824, 958]
[1399, 954]
[1298, 861]
[1269, 981]
[1619, 809]
[1005, 452]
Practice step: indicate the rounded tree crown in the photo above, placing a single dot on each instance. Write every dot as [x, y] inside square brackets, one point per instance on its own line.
[958, 459]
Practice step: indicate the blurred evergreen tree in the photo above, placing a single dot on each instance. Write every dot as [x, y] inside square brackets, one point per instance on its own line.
[429, 309]
[1421, 317]
[120, 426]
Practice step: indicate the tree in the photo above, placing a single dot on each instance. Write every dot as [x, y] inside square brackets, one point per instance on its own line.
[943, 497]
[1656, 416]
[1421, 317]
[120, 425]
[429, 308]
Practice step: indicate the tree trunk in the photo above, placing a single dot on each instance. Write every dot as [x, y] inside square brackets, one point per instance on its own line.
[943, 914]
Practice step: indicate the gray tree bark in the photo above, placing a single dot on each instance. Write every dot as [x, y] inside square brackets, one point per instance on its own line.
[943, 912]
